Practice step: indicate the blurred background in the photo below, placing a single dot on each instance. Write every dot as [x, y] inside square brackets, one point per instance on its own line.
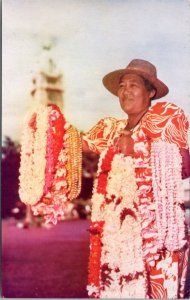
[58, 51]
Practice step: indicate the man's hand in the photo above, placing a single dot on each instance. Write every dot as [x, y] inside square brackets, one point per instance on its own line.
[124, 143]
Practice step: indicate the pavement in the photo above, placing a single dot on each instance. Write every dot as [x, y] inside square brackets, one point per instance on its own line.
[47, 262]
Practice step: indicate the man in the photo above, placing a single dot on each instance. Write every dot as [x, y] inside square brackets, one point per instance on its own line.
[138, 243]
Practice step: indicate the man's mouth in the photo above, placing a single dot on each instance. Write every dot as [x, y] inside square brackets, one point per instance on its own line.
[128, 99]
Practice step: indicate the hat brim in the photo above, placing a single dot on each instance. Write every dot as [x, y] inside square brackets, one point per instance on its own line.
[112, 80]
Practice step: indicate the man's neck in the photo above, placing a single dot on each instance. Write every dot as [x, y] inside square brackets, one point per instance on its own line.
[134, 119]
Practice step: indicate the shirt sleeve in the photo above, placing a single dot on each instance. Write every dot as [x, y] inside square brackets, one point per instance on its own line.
[99, 137]
[167, 121]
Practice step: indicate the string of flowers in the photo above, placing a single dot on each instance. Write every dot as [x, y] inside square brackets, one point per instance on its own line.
[114, 205]
[143, 170]
[96, 229]
[74, 161]
[166, 166]
[33, 153]
[55, 138]
[122, 265]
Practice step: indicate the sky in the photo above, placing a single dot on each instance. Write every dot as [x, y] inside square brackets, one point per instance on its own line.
[91, 39]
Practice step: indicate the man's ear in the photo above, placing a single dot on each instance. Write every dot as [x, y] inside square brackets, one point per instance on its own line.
[152, 93]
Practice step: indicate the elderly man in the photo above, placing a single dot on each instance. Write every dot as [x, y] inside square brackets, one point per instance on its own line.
[138, 243]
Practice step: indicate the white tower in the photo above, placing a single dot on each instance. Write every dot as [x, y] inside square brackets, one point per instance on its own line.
[47, 82]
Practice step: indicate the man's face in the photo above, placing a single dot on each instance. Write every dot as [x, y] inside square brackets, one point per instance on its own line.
[133, 95]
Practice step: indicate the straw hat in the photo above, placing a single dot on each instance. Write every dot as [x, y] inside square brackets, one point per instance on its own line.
[139, 67]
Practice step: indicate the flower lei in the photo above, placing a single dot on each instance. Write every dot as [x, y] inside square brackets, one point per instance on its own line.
[46, 153]
[33, 152]
[113, 267]
[74, 161]
[143, 170]
[166, 166]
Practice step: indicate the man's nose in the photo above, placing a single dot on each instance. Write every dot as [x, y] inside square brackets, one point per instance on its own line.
[126, 89]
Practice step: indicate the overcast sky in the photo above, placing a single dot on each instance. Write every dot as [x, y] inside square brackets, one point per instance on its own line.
[92, 38]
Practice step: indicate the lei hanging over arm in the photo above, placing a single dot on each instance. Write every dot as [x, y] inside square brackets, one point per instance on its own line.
[167, 126]
[51, 160]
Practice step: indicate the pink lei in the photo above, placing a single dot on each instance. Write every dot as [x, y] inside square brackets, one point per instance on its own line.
[166, 176]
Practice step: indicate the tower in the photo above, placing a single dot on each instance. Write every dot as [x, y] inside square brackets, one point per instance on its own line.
[47, 81]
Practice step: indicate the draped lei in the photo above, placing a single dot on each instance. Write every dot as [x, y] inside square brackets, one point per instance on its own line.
[137, 207]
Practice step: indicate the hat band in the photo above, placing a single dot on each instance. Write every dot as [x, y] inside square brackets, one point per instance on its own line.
[142, 71]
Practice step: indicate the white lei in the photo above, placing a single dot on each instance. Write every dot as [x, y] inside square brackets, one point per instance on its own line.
[122, 259]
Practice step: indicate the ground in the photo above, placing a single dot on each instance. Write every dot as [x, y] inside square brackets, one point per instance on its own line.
[47, 263]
